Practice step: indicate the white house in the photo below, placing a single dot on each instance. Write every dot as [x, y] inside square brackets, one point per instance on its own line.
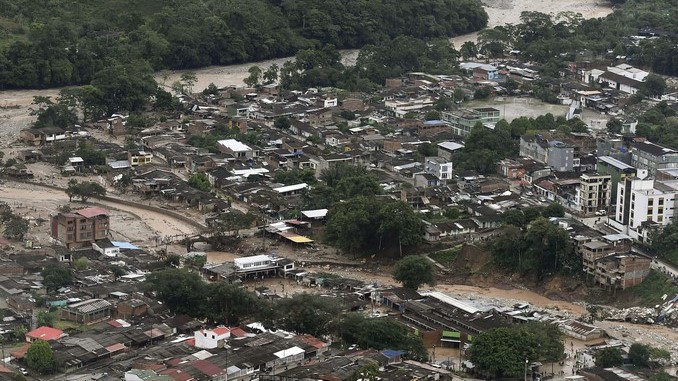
[211, 338]
[253, 262]
[438, 167]
[237, 149]
[106, 247]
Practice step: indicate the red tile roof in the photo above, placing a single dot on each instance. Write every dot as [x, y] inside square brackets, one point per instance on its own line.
[312, 341]
[45, 333]
[221, 330]
[116, 347]
[20, 352]
[238, 332]
[207, 368]
[92, 212]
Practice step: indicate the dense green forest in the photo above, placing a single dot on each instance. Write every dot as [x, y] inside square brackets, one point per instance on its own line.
[568, 37]
[48, 43]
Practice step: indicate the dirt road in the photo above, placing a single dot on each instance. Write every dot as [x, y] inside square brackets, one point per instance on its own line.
[41, 202]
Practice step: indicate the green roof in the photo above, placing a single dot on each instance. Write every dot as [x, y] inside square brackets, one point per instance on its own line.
[451, 335]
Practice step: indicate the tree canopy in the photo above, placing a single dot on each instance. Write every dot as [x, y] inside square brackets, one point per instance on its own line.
[84, 190]
[379, 333]
[502, 352]
[542, 249]
[413, 271]
[56, 276]
[67, 43]
[306, 313]
[40, 357]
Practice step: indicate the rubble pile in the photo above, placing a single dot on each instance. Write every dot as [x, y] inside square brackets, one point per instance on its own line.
[639, 315]
[665, 313]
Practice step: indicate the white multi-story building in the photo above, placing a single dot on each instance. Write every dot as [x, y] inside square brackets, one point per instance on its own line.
[438, 167]
[644, 205]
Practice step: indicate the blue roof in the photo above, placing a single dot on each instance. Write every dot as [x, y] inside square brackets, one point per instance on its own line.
[391, 353]
[433, 122]
[124, 245]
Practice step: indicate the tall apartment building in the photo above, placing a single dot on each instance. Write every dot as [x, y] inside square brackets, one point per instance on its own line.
[644, 205]
[593, 193]
[80, 228]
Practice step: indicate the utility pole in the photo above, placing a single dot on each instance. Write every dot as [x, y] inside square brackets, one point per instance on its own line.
[525, 379]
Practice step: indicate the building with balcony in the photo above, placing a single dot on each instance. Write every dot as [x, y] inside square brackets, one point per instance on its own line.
[81, 228]
[593, 193]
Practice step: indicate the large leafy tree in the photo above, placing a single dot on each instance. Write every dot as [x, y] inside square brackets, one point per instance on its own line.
[230, 304]
[40, 357]
[608, 357]
[379, 333]
[125, 87]
[305, 313]
[183, 292]
[413, 271]
[502, 352]
[56, 276]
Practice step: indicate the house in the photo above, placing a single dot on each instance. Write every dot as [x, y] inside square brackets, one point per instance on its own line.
[644, 205]
[131, 308]
[87, 312]
[580, 331]
[212, 338]
[80, 228]
[617, 170]
[236, 149]
[19, 304]
[622, 271]
[447, 149]
[400, 108]
[44, 333]
[31, 136]
[624, 78]
[595, 249]
[433, 127]
[438, 167]
[481, 71]
[30, 156]
[106, 247]
[137, 158]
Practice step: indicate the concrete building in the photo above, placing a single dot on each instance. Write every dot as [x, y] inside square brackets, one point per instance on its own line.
[601, 247]
[447, 149]
[644, 205]
[463, 121]
[651, 156]
[593, 193]
[399, 108]
[438, 167]
[622, 271]
[554, 153]
[617, 170]
[235, 148]
[80, 228]
[137, 158]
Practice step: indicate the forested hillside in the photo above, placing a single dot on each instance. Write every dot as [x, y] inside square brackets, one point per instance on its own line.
[46, 43]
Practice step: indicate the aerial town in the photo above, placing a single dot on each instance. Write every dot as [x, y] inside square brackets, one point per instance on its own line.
[497, 207]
